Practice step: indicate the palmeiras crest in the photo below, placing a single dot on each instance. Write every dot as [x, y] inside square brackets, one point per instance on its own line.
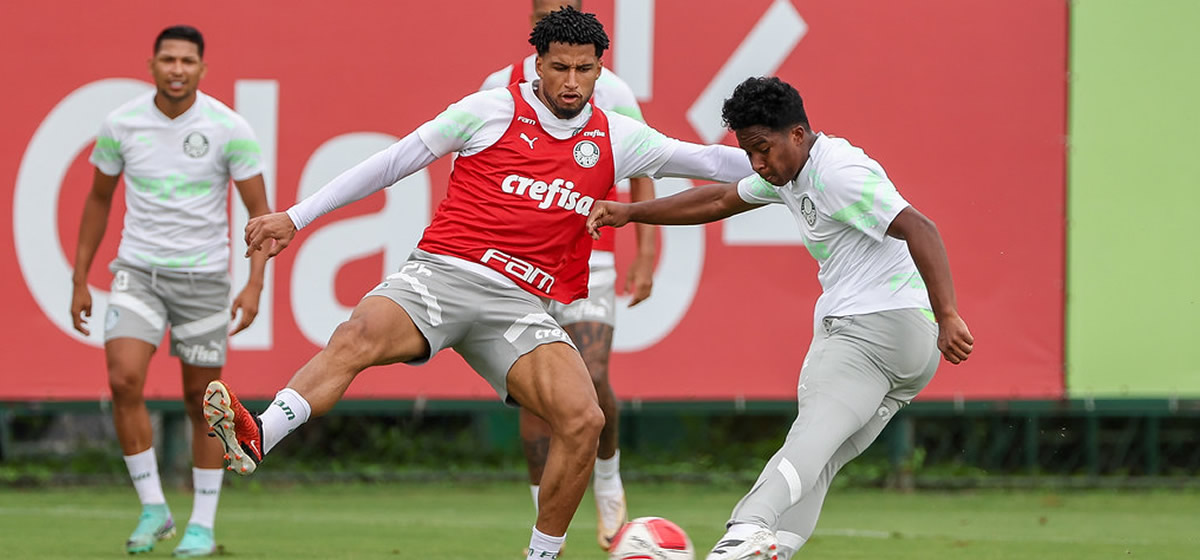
[195, 145]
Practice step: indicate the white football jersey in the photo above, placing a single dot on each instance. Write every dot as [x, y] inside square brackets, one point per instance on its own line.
[843, 203]
[611, 94]
[177, 174]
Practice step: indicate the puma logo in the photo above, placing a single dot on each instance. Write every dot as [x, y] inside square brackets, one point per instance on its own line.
[526, 138]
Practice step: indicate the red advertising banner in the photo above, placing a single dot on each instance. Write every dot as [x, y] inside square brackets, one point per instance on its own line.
[962, 102]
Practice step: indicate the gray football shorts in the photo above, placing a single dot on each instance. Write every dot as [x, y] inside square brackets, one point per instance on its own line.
[859, 372]
[887, 353]
[489, 324]
[598, 307]
[195, 305]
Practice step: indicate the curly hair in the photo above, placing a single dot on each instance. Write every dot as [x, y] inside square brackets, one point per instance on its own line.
[569, 26]
[768, 102]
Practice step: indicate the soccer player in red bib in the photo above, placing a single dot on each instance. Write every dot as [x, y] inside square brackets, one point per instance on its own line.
[508, 239]
[590, 321]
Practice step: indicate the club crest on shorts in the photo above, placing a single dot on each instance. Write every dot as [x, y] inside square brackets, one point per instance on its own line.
[587, 153]
[808, 209]
[195, 145]
[111, 318]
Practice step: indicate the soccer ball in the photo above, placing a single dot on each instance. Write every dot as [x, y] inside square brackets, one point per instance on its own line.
[651, 538]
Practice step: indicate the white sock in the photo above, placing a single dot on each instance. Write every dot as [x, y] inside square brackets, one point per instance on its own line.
[789, 543]
[143, 469]
[534, 490]
[543, 546]
[741, 530]
[607, 475]
[207, 485]
[287, 412]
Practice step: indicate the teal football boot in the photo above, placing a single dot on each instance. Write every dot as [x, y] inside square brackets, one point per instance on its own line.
[155, 524]
[197, 541]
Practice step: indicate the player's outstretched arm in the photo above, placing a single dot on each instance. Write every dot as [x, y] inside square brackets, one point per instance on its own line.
[929, 254]
[91, 231]
[700, 205]
[377, 172]
[715, 162]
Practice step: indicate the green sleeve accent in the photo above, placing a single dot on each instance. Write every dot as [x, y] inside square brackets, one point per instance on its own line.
[243, 152]
[107, 149]
[634, 113]
[218, 117]
[645, 140]
[760, 188]
[456, 123]
[858, 214]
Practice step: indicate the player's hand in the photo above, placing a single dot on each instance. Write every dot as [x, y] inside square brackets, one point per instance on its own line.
[273, 231]
[954, 339]
[639, 279]
[81, 307]
[247, 302]
[606, 213]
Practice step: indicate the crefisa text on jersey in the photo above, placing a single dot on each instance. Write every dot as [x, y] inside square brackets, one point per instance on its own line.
[568, 198]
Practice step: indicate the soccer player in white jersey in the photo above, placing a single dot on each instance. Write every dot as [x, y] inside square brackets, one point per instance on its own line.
[509, 237]
[178, 149]
[590, 321]
[886, 310]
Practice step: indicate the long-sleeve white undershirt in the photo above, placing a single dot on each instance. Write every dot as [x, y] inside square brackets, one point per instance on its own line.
[384, 169]
[638, 150]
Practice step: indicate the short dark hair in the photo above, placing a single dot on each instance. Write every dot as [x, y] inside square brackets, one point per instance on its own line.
[569, 26]
[182, 32]
[578, 4]
[768, 102]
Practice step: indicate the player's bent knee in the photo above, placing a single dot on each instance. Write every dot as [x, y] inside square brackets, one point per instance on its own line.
[352, 344]
[582, 425]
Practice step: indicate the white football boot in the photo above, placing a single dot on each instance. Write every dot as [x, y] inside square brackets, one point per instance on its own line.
[759, 545]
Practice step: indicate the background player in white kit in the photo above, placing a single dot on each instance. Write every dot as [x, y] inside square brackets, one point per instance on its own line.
[590, 321]
[886, 310]
[508, 238]
[178, 149]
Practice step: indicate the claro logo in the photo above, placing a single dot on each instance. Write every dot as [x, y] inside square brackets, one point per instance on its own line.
[546, 193]
[308, 307]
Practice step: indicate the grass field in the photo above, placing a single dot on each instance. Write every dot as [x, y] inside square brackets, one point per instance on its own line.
[415, 521]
